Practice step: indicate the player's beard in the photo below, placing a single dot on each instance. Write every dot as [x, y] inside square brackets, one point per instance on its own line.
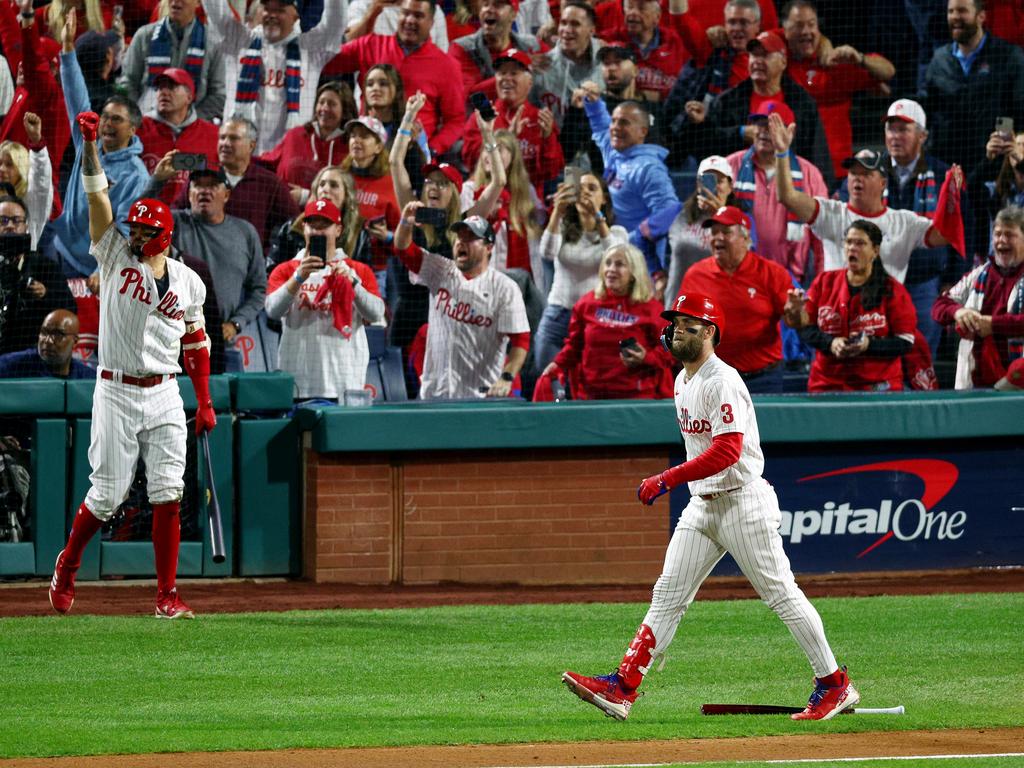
[688, 349]
[136, 250]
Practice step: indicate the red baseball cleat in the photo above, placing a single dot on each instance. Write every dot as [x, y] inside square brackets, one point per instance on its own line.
[62, 586]
[827, 701]
[170, 606]
[605, 692]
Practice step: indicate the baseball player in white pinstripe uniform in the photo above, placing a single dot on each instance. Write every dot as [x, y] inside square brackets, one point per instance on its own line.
[732, 509]
[149, 305]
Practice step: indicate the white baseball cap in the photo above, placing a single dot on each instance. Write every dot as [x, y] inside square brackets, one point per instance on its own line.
[908, 111]
[715, 163]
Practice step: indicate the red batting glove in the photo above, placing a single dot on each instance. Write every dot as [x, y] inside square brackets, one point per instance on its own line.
[206, 419]
[88, 123]
[650, 489]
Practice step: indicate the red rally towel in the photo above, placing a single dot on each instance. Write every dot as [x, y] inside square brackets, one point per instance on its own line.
[948, 218]
[342, 294]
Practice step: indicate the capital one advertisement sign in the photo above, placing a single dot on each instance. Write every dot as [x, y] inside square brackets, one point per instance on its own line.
[849, 511]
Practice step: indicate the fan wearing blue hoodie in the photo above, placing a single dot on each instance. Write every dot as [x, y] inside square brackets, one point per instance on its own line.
[643, 197]
[120, 157]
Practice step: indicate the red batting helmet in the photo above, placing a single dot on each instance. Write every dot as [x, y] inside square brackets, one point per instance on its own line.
[700, 307]
[155, 214]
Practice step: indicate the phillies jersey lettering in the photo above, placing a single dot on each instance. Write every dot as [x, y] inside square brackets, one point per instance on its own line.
[139, 336]
[461, 311]
[275, 78]
[715, 402]
[608, 316]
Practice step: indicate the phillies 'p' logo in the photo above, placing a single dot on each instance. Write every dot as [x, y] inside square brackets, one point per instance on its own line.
[320, 204]
[141, 209]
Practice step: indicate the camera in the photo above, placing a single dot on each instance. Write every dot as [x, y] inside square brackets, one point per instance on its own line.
[189, 161]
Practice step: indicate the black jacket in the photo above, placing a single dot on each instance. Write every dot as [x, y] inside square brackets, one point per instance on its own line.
[962, 109]
[719, 134]
[21, 315]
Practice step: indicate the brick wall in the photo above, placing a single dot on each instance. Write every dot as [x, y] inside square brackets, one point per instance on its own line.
[551, 516]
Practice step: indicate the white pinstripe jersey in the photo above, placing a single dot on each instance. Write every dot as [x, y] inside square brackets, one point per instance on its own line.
[715, 402]
[470, 321]
[140, 333]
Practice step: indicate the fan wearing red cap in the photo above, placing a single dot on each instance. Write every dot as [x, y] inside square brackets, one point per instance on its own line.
[731, 508]
[323, 300]
[834, 82]
[535, 128]
[780, 236]
[475, 54]
[176, 126]
[152, 310]
[724, 128]
[743, 284]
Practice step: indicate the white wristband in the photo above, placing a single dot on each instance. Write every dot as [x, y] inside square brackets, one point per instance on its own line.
[94, 183]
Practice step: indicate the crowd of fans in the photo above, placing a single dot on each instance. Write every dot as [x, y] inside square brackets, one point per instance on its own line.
[515, 189]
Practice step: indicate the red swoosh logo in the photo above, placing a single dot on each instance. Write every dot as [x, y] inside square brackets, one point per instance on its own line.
[938, 477]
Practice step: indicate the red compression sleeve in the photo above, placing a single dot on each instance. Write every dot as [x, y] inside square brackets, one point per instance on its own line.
[521, 340]
[949, 220]
[723, 453]
[412, 257]
[197, 363]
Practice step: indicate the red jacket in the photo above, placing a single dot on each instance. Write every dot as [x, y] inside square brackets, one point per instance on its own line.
[301, 153]
[991, 353]
[751, 299]
[376, 196]
[592, 348]
[834, 312]
[41, 94]
[658, 67]
[157, 137]
[541, 156]
[427, 69]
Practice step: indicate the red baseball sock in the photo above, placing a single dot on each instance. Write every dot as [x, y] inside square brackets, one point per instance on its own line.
[166, 540]
[83, 528]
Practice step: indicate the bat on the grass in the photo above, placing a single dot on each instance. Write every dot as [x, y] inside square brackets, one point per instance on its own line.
[771, 709]
[212, 504]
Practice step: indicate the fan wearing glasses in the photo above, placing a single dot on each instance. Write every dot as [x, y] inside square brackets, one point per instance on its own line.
[31, 286]
[52, 355]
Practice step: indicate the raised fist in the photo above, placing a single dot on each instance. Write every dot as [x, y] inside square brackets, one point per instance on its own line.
[88, 123]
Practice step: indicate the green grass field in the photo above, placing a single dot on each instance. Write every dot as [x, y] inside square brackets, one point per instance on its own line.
[489, 674]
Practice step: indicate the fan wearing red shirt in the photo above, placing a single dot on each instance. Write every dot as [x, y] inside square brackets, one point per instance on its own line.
[743, 285]
[832, 83]
[422, 65]
[660, 54]
[613, 350]
[535, 128]
[859, 319]
[743, 21]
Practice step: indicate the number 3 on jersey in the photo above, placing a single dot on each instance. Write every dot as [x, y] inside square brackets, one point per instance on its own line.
[727, 417]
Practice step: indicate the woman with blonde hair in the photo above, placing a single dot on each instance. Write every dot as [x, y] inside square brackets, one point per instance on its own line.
[335, 184]
[98, 16]
[30, 175]
[613, 351]
[517, 214]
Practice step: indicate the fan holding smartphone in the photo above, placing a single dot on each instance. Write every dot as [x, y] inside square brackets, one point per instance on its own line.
[323, 300]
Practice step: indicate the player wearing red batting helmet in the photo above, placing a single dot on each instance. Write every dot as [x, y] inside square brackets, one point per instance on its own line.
[696, 306]
[155, 226]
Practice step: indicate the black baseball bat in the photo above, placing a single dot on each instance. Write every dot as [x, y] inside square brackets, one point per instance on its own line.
[772, 709]
[212, 504]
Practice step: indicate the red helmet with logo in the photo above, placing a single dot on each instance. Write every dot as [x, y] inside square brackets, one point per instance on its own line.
[155, 214]
[700, 307]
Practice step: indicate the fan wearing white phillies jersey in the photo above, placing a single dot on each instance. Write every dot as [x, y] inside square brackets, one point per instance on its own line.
[149, 305]
[475, 313]
[732, 509]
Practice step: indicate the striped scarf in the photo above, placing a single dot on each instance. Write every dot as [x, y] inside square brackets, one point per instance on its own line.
[251, 78]
[973, 300]
[746, 187]
[159, 57]
[926, 193]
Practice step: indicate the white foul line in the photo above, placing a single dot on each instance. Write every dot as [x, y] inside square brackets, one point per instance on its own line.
[781, 762]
